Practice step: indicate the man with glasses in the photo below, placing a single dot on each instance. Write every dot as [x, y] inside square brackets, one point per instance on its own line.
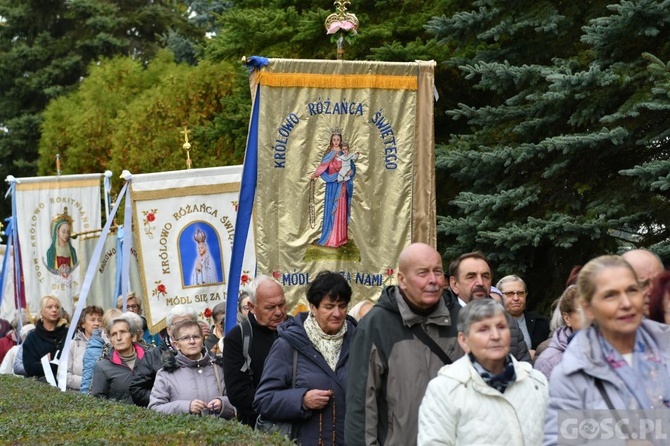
[535, 328]
[133, 305]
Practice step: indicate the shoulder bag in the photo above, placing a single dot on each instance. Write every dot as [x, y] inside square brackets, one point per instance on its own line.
[285, 428]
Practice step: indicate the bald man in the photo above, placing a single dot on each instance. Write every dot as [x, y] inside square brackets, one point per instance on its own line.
[389, 363]
[647, 266]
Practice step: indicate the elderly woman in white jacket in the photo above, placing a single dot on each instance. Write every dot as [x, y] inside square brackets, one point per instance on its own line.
[485, 397]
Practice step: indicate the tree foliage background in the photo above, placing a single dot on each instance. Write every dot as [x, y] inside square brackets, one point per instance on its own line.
[45, 49]
[568, 159]
[552, 119]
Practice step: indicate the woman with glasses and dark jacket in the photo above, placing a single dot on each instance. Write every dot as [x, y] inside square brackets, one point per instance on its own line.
[191, 380]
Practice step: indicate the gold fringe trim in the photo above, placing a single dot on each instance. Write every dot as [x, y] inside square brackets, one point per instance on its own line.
[338, 81]
[59, 184]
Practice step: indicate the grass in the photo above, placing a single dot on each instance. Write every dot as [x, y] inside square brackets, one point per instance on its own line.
[37, 414]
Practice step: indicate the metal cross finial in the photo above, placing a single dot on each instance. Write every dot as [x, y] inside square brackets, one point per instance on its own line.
[187, 146]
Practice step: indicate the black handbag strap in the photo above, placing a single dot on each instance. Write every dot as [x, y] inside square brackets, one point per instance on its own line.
[420, 333]
[608, 401]
[295, 367]
[603, 393]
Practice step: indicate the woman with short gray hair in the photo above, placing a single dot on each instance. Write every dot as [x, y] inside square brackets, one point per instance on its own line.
[114, 371]
[485, 397]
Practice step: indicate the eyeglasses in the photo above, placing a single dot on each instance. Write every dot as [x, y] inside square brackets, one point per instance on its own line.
[510, 294]
[189, 338]
[245, 307]
[132, 307]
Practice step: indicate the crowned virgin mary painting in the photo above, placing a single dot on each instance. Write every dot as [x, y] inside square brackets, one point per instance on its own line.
[339, 190]
[61, 257]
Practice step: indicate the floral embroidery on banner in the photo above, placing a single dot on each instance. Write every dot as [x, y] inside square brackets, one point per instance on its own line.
[207, 315]
[160, 290]
[245, 278]
[149, 218]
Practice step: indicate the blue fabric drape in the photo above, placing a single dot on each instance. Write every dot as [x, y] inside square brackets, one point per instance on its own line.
[244, 211]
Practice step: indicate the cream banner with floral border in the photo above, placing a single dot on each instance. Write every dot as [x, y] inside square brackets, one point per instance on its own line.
[49, 210]
[184, 224]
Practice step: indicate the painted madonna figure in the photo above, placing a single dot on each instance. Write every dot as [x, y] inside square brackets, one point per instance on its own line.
[204, 270]
[339, 190]
[61, 257]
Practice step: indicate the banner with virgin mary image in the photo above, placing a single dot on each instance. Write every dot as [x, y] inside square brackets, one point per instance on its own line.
[49, 212]
[184, 225]
[342, 157]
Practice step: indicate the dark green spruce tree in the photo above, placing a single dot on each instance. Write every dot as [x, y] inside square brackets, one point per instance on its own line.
[545, 177]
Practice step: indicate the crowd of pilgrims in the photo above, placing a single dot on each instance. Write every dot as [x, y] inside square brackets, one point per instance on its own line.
[605, 346]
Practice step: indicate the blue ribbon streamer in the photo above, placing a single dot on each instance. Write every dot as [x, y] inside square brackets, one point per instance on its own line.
[244, 212]
[85, 288]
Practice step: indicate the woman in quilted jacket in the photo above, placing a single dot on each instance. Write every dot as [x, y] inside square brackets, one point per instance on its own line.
[191, 380]
[485, 397]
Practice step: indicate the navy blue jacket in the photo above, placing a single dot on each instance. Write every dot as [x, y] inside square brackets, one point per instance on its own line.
[277, 401]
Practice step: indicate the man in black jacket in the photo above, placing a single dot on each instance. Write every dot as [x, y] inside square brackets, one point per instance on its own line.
[243, 366]
[147, 367]
[470, 278]
[535, 328]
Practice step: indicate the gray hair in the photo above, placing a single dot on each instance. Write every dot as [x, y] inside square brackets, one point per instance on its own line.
[556, 320]
[253, 286]
[510, 278]
[117, 320]
[477, 310]
[135, 321]
[181, 310]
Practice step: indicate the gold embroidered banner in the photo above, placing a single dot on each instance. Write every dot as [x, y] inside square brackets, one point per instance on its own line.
[345, 170]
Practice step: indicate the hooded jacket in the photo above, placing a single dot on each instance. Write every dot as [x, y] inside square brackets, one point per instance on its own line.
[572, 385]
[182, 380]
[390, 369]
[92, 354]
[459, 408]
[276, 400]
[553, 354]
[75, 363]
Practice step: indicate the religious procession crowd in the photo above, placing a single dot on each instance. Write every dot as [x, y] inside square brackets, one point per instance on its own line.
[442, 358]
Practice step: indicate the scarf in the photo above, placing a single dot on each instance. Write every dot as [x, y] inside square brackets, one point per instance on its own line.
[501, 381]
[328, 345]
[130, 359]
[647, 380]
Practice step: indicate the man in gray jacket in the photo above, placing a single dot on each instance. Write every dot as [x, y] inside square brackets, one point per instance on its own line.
[390, 363]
